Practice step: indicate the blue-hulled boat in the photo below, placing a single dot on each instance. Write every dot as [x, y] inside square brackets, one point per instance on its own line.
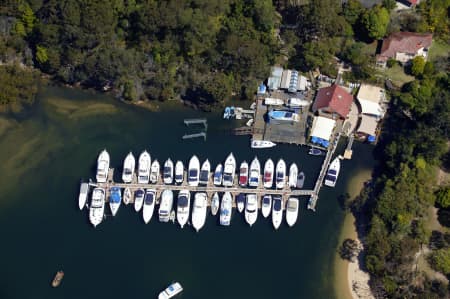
[240, 202]
[115, 200]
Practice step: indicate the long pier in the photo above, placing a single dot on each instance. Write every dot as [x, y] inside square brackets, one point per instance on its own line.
[189, 136]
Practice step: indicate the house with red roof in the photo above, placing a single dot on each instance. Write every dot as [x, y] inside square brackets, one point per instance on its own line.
[404, 46]
[333, 101]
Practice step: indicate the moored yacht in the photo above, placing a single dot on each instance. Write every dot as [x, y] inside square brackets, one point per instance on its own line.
[218, 175]
[293, 172]
[266, 205]
[154, 172]
[255, 170]
[229, 171]
[183, 207]
[292, 211]
[171, 291]
[300, 180]
[149, 204]
[215, 204]
[115, 200]
[102, 167]
[199, 210]
[268, 173]
[262, 144]
[168, 172]
[333, 172]
[204, 173]
[97, 208]
[82, 197]
[226, 209]
[194, 171]
[251, 209]
[165, 206]
[243, 174]
[179, 172]
[144, 168]
[277, 211]
[127, 195]
[280, 174]
[240, 202]
[129, 165]
[139, 199]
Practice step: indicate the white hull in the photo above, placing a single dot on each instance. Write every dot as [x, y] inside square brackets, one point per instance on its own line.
[179, 172]
[138, 199]
[102, 167]
[194, 171]
[126, 196]
[199, 211]
[277, 212]
[165, 206]
[82, 197]
[229, 171]
[266, 205]
[240, 206]
[251, 209]
[226, 209]
[262, 144]
[128, 168]
[333, 173]
[293, 173]
[255, 171]
[114, 207]
[218, 175]
[171, 291]
[183, 207]
[149, 205]
[268, 174]
[144, 168]
[204, 173]
[168, 172]
[292, 211]
[154, 172]
[280, 175]
[215, 204]
[97, 209]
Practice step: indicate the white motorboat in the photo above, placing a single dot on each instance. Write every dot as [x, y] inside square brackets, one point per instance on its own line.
[280, 174]
[300, 180]
[229, 171]
[82, 197]
[255, 171]
[333, 173]
[268, 173]
[171, 291]
[277, 211]
[292, 211]
[97, 208]
[183, 207]
[154, 172]
[226, 209]
[204, 173]
[165, 206]
[127, 195]
[199, 210]
[240, 202]
[266, 205]
[218, 175]
[262, 143]
[144, 168]
[139, 199]
[149, 205]
[102, 167]
[194, 171]
[179, 172]
[293, 172]
[115, 199]
[129, 165]
[168, 172]
[215, 204]
[251, 209]
[243, 174]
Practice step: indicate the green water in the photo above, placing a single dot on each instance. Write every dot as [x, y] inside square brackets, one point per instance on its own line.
[44, 156]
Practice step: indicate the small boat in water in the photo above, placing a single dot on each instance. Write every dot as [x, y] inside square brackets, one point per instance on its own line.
[226, 113]
[255, 171]
[240, 202]
[266, 205]
[82, 197]
[284, 116]
[262, 144]
[129, 165]
[218, 175]
[251, 209]
[179, 172]
[268, 173]
[300, 180]
[226, 209]
[138, 199]
[243, 174]
[292, 211]
[199, 210]
[102, 167]
[126, 195]
[183, 207]
[171, 291]
[154, 172]
[204, 173]
[168, 172]
[333, 172]
[280, 174]
[144, 168]
[277, 211]
[149, 205]
[165, 206]
[194, 171]
[315, 151]
[58, 278]
[115, 200]
[97, 208]
[293, 172]
[215, 204]
[229, 171]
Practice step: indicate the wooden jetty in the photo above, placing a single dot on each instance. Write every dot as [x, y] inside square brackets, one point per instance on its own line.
[195, 135]
[196, 121]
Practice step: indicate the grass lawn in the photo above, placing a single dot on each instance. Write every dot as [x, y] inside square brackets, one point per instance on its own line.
[397, 75]
[438, 49]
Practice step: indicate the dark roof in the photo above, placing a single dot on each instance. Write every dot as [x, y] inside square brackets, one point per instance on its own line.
[334, 98]
[404, 42]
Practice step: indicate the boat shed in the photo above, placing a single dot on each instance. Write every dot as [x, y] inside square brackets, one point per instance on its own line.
[322, 127]
[370, 98]
[368, 125]
[293, 81]
[274, 80]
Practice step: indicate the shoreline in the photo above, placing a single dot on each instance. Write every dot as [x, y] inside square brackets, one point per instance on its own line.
[350, 281]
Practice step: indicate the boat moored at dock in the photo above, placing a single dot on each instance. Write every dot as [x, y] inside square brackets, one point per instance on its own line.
[251, 209]
[300, 180]
[149, 205]
[168, 172]
[97, 208]
[166, 205]
[292, 211]
[268, 173]
[144, 168]
[218, 175]
[115, 200]
[171, 291]
[277, 211]
[83, 195]
[215, 204]
[229, 171]
[154, 172]
[262, 144]
[102, 167]
[293, 172]
[204, 173]
[266, 205]
[280, 174]
[129, 165]
[243, 174]
[179, 172]
[199, 210]
[240, 202]
[183, 207]
[255, 170]
[194, 171]
[127, 195]
[226, 209]
[139, 199]
[333, 172]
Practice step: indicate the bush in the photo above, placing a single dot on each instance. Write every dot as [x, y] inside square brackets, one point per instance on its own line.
[417, 66]
[440, 260]
[391, 62]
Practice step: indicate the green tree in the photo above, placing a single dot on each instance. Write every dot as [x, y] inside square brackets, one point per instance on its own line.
[440, 260]
[389, 4]
[41, 54]
[352, 11]
[417, 66]
[28, 17]
[443, 197]
[376, 21]
[19, 28]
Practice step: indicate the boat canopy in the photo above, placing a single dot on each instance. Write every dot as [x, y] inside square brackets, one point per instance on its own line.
[277, 204]
[266, 199]
[332, 171]
[139, 192]
[193, 173]
[240, 197]
[330, 178]
[182, 201]
[204, 175]
[149, 196]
